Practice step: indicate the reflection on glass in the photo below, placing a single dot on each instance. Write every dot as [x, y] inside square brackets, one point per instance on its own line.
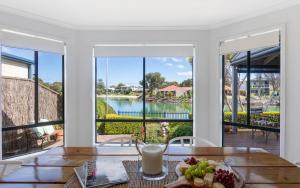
[50, 87]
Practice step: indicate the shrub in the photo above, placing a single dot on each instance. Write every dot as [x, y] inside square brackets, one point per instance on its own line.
[180, 129]
[113, 128]
[153, 130]
[242, 117]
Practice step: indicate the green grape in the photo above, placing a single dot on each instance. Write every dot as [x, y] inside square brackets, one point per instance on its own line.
[199, 170]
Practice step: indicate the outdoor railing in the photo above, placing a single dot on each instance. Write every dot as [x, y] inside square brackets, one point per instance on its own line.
[167, 115]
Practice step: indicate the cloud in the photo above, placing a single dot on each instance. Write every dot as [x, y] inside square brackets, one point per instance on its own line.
[186, 74]
[169, 64]
[180, 66]
[165, 59]
[162, 59]
[177, 60]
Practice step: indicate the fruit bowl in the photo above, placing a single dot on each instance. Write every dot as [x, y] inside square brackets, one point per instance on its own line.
[203, 173]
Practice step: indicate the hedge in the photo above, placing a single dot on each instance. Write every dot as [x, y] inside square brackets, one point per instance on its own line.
[153, 130]
[242, 117]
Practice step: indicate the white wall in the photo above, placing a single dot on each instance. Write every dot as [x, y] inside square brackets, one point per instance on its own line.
[18, 23]
[289, 18]
[79, 94]
[79, 69]
[87, 77]
[14, 69]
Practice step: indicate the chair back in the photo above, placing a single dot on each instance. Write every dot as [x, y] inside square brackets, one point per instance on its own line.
[122, 140]
[8, 166]
[201, 142]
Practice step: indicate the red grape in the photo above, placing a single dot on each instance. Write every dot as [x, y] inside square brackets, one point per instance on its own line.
[224, 177]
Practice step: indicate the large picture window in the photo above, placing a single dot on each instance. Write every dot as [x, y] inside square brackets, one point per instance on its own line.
[33, 100]
[150, 97]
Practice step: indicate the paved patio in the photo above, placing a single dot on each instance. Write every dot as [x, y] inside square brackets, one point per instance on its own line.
[244, 139]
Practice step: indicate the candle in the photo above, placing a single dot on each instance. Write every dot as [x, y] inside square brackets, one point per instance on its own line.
[152, 161]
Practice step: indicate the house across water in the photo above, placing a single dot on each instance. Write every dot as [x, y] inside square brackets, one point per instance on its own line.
[175, 90]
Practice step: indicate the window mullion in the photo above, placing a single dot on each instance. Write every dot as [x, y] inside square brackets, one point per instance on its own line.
[36, 88]
[144, 97]
[248, 86]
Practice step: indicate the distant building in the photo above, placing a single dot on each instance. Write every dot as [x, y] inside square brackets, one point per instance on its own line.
[175, 90]
[260, 86]
[15, 66]
[137, 88]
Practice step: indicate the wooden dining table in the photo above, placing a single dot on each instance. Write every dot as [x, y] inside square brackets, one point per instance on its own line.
[55, 167]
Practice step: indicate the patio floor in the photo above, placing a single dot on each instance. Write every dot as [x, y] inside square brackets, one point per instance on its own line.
[241, 139]
[244, 139]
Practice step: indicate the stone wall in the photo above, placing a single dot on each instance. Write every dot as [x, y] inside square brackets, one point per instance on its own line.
[18, 102]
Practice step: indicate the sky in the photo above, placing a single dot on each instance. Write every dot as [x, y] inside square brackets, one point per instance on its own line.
[129, 70]
[50, 64]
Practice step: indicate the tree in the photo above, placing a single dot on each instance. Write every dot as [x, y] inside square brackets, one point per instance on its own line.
[167, 83]
[187, 83]
[120, 85]
[56, 86]
[190, 60]
[100, 87]
[153, 81]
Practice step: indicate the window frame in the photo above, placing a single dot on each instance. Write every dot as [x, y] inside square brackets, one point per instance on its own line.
[144, 120]
[36, 101]
[248, 87]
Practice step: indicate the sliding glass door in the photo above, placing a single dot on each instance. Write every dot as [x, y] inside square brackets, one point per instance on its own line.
[251, 98]
[150, 97]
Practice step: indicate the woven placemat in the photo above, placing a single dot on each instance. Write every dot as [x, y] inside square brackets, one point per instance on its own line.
[135, 181]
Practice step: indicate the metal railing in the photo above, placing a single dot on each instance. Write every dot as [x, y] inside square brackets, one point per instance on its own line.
[165, 115]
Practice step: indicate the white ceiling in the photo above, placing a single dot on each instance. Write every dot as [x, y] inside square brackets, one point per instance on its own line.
[114, 14]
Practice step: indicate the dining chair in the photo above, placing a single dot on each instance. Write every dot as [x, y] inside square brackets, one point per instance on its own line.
[191, 140]
[8, 166]
[122, 140]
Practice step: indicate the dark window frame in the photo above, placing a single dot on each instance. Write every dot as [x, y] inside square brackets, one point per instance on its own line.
[248, 122]
[36, 101]
[144, 120]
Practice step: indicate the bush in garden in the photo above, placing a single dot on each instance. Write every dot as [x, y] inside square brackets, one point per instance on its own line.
[152, 130]
[180, 129]
[112, 128]
[242, 117]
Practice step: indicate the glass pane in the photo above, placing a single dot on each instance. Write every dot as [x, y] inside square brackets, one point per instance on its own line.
[235, 90]
[23, 141]
[118, 88]
[169, 87]
[265, 87]
[264, 100]
[17, 86]
[50, 87]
